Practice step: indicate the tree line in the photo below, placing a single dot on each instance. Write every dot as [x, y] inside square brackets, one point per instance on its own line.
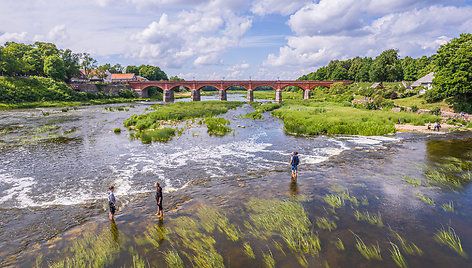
[46, 60]
[387, 67]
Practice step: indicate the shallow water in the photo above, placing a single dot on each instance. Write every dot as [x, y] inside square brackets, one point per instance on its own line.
[53, 187]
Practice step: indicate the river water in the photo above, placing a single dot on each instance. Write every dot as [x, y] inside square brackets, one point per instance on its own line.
[56, 166]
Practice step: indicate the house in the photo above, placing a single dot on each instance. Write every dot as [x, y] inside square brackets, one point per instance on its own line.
[123, 78]
[426, 82]
[93, 76]
[140, 78]
[377, 86]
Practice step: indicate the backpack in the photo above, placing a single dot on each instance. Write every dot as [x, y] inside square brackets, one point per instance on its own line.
[295, 160]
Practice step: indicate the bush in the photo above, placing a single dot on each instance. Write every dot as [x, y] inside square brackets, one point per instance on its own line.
[414, 108]
[117, 130]
[435, 111]
[127, 93]
[432, 96]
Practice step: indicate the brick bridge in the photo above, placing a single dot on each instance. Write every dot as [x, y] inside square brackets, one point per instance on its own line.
[141, 87]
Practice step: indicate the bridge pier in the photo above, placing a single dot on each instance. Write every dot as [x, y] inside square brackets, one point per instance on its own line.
[195, 95]
[278, 96]
[307, 94]
[144, 94]
[250, 95]
[223, 95]
[168, 95]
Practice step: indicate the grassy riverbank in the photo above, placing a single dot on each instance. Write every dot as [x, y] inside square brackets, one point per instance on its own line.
[315, 118]
[35, 92]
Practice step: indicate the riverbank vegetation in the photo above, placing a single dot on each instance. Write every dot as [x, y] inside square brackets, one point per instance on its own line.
[315, 118]
[151, 125]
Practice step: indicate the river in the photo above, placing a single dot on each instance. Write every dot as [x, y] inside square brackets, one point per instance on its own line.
[57, 165]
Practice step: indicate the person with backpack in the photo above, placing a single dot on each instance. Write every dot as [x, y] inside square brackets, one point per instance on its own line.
[294, 161]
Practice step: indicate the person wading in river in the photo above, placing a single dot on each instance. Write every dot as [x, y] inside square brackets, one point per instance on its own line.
[111, 203]
[160, 212]
[294, 161]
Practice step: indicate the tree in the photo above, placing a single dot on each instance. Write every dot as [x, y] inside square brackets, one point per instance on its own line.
[339, 73]
[54, 67]
[88, 64]
[363, 74]
[386, 67]
[409, 69]
[116, 69]
[131, 69]
[71, 64]
[152, 73]
[453, 70]
[175, 78]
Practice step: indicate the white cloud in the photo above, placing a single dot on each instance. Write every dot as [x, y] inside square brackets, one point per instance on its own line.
[197, 34]
[283, 7]
[414, 32]
[15, 37]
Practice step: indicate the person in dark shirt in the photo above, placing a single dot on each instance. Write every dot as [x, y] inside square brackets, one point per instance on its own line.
[160, 212]
[294, 161]
[111, 203]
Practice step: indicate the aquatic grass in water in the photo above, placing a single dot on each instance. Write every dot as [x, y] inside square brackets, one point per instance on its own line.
[397, 256]
[248, 250]
[173, 259]
[286, 219]
[412, 181]
[211, 218]
[325, 224]
[369, 252]
[163, 134]
[217, 126]
[335, 201]
[372, 219]
[451, 239]
[259, 109]
[90, 251]
[427, 200]
[408, 247]
[339, 244]
[448, 206]
[268, 260]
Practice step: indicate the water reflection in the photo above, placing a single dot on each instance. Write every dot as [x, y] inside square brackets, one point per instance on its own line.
[115, 234]
[293, 188]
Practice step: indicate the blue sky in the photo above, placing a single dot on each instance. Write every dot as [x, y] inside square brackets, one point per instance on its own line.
[218, 39]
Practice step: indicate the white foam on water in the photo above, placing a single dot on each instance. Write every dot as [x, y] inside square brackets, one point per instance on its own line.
[371, 140]
[19, 190]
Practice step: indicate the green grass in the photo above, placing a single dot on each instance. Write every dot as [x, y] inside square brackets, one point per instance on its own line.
[451, 239]
[173, 259]
[369, 252]
[448, 206]
[163, 134]
[316, 118]
[325, 224]
[180, 111]
[339, 244]
[248, 250]
[217, 126]
[268, 260]
[286, 220]
[260, 108]
[397, 256]
[335, 201]
[420, 102]
[408, 247]
[412, 181]
[372, 219]
[149, 124]
[427, 200]
[90, 251]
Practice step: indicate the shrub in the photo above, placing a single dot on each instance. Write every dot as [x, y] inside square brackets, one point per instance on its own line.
[432, 96]
[414, 108]
[127, 93]
[435, 111]
[117, 130]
